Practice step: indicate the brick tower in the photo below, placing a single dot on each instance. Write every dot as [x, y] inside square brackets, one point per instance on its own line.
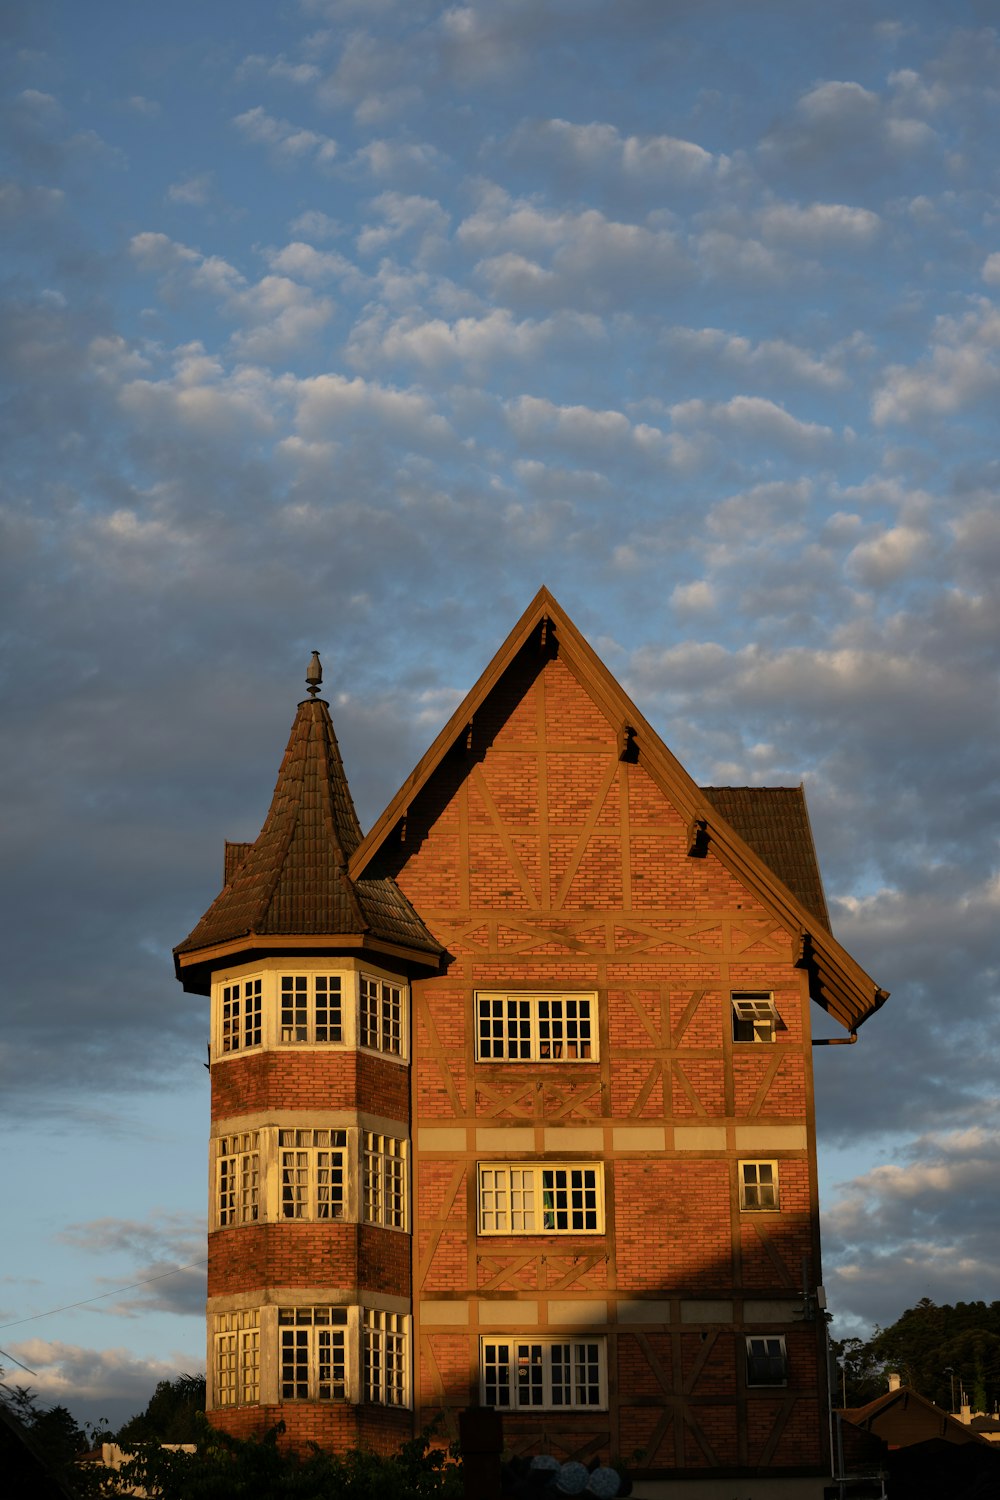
[309, 1284]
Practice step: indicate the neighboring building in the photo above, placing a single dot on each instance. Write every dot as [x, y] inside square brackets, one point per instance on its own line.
[512, 1099]
[921, 1451]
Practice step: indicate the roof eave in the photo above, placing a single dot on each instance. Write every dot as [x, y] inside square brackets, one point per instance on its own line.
[194, 967]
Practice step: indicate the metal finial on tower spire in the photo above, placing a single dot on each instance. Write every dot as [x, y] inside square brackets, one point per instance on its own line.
[314, 674]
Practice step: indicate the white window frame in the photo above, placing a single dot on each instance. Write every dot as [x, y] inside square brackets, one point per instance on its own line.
[311, 1007]
[385, 1358]
[512, 1197]
[382, 1015]
[536, 1027]
[771, 1357]
[755, 1019]
[313, 1354]
[312, 1165]
[759, 1187]
[241, 1015]
[236, 1358]
[543, 1374]
[238, 1179]
[385, 1184]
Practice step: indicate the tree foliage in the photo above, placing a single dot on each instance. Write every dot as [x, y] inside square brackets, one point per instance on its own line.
[225, 1467]
[925, 1347]
[171, 1414]
[51, 1432]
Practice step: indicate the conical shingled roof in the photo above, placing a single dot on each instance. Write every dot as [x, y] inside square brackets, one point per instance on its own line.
[293, 879]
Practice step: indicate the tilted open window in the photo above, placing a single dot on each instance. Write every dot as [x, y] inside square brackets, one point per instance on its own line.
[767, 1360]
[755, 1018]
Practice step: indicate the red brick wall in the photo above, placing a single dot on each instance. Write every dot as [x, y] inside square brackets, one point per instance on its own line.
[333, 1425]
[342, 1256]
[539, 859]
[280, 1079]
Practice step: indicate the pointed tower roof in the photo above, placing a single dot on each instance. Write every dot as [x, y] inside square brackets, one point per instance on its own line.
[291, 887]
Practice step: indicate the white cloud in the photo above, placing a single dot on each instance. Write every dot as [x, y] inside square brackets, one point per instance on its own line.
[402, 213]
[890, 555]
[287, 143]
[191, 190]
[256, 65]
[596, 147]
[820, 225]
[305, 263]
[593, 261]
[837, 103]
[959, 373]
[277, 315]
[140, 105]
[754, 418]
[472, 341]
[328, 404]
[387, 159]
[316, 225]
[991, 268]
[693, 598]
[768, 359]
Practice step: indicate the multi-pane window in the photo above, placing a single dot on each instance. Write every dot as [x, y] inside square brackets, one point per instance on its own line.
[239, 1178]
[384, 1356]
[237, 1358]
[312, 1353]
[543, 1373]
[767, 1361]
[312, 1008]
[381, 1015]
[758, 1184]
[536, 1028]
[540, 1198]
[241, 1015]
[754, 1016]
[385, 1181]
[313, 1166]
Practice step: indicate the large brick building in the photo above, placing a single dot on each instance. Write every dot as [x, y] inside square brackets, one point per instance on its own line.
[512, 1099]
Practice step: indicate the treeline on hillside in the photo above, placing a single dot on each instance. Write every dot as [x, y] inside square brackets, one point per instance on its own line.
[933, 1349]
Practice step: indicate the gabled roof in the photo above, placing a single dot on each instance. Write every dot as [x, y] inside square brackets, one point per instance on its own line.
[774, 821]
[292, 882]
[905, 1413]
[837, 982]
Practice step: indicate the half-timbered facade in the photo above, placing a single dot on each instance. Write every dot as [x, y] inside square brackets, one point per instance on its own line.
[512, 1099]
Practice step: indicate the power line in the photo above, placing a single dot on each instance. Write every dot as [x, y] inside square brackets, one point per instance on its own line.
[7, 1355]
[163, 1275]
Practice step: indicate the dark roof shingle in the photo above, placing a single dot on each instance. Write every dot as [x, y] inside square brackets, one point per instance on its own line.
[774, 821]
[293, 879]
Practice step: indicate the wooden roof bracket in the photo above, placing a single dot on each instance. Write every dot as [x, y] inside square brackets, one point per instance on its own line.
[697, 838]
[628, 748]
[802, 949]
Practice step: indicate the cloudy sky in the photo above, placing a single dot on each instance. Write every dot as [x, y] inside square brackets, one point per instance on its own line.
[348, 323]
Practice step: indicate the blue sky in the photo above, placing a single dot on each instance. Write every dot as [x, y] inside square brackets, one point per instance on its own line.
[343, 325]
